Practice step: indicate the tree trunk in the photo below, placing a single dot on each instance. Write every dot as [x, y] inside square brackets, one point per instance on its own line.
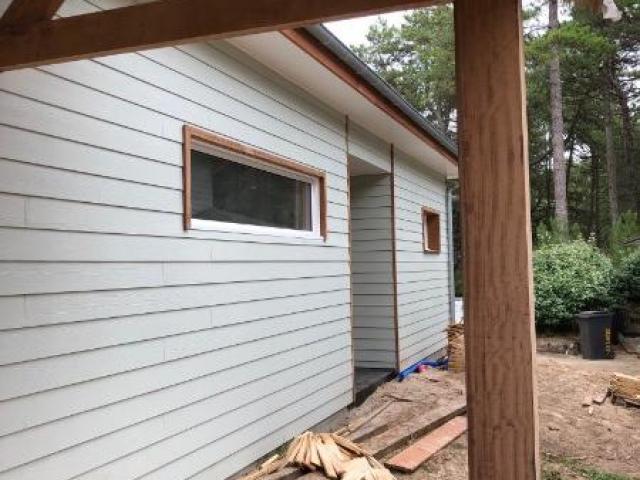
[593, 213]
[632, 190]
[557, 126]
[611, 162]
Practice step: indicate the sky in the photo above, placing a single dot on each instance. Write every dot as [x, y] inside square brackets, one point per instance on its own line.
[354, 31]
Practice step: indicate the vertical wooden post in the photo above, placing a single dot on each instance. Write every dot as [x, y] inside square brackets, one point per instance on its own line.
[494, 189]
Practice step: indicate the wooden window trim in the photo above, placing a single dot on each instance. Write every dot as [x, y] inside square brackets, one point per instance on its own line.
[431, 230]
[191, 134]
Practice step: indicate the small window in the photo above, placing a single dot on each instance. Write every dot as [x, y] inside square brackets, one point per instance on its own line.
[431, 230]
[234, 187]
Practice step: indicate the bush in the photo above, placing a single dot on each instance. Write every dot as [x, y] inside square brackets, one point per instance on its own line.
[626, 281]
[569, 278]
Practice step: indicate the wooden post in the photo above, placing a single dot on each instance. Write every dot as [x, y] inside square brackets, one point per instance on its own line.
[494, 189]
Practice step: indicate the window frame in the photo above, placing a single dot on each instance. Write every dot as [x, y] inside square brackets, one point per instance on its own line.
[195, 138]
[431, 230]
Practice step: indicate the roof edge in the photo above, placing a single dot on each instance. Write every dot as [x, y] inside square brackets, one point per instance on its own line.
[327, 49]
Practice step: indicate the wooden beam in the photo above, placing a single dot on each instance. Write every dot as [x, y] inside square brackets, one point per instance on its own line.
[171, 22]
[21, 13]
[494, 189]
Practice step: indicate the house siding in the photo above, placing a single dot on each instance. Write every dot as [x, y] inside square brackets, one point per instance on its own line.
[128, 347]
[366, 146]
[374, 336]
[423, 286]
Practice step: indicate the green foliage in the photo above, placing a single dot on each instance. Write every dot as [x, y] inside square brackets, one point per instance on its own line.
[575, 469]
[553, 232]
[569, 278]
[626, 228]
[600, 69]
[626, 281]
[418, 59]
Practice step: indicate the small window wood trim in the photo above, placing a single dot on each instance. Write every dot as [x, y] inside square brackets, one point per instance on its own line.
[431, 230]
[193, 135]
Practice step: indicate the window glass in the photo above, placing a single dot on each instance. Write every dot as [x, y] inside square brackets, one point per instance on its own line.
[230, 191]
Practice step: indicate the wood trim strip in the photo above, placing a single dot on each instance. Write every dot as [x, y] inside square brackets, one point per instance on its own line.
[191, 133]
[394, 262]
[307, 42]
[350, 253]
[186, 176]
[431, 237]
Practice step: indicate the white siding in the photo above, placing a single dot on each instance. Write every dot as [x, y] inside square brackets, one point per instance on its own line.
[366, 146]
[371, 266]
[423, 294]
[129, 348]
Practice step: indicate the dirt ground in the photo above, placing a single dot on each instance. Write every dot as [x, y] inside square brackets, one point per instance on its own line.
[572, 438]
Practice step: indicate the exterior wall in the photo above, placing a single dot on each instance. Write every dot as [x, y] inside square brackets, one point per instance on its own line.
[372, 276]
[423, 288]
[129, 348]
[369, 148]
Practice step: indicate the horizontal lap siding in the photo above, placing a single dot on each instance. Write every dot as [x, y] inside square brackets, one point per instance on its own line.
[129, 348]
[423, 292]
[372, 281]
[366, 146]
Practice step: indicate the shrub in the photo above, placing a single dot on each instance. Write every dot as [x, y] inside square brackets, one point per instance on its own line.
[569, 278]
[626, 281]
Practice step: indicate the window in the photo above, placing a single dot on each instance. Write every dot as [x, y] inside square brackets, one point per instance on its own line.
[233, 187]
[431, 230]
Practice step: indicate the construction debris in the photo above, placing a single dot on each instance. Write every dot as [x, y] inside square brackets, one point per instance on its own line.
[271, 465]
[409, 459]
[601, 397]
[455, 349]
[358, 424]
[398, 436]
[626, 388]
[335, 456]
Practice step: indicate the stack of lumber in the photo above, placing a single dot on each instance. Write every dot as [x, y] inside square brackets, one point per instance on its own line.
[625, 387]
[455, 349]
[329, 453]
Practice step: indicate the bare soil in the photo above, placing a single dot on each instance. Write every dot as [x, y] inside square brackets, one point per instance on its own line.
[605, 437]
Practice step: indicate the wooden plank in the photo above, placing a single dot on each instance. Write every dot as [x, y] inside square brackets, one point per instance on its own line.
[393, 438]
[501, 389]
[394, 258]
[171, 22]
[22, 13]
[409, 459]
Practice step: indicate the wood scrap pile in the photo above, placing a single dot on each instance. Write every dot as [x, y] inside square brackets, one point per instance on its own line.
[455, 349]
[329, 453]
[626, 388]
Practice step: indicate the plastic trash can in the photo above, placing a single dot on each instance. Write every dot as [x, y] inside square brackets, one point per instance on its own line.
[595, 334]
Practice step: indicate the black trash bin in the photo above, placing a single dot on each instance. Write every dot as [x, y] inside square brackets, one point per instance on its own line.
[595, 334]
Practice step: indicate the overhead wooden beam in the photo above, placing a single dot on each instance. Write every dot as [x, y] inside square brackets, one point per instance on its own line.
[494, 189]
[21, 13]
[170, 22]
